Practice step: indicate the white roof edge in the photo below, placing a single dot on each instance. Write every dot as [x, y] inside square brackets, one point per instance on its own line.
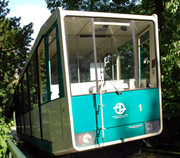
[108, 15]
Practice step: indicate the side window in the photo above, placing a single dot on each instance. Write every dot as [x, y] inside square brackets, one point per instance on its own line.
[20, 99]
[50, 69]
[21, 109]
[17, 109]
[33, 87]
[54, 75]
[52, 50]
[42, 73]
[34, 97]
[25, 93]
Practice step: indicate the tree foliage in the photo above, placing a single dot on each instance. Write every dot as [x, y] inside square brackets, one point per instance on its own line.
[123, 6]
[170, 56]
[168, 12]
[14, 47]
[5, 130]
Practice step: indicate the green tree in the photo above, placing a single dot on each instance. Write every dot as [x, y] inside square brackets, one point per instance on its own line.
[123, 6]
[5, 130]
[14, 48]
[168, 12]
[170, 56]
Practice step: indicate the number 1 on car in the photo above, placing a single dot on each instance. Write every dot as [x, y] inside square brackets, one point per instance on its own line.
[140, 107]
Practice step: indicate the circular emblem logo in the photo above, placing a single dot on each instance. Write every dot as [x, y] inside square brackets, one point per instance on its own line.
[119, 108]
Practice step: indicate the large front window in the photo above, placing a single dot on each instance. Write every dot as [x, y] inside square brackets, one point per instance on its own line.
[110, 54]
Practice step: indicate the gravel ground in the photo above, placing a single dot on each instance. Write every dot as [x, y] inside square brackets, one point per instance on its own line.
[148, 153]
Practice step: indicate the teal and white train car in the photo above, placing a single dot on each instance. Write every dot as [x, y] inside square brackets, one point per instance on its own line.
[92, 81]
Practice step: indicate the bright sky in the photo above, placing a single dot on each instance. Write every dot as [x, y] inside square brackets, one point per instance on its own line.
[34, 11]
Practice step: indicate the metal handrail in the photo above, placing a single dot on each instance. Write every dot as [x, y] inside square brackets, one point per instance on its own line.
[14, 150]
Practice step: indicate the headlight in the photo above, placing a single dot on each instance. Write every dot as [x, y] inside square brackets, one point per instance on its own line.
[84, 139]
[87, 138]
[152, 126]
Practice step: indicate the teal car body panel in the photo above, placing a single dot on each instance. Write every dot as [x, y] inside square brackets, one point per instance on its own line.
[124, 115]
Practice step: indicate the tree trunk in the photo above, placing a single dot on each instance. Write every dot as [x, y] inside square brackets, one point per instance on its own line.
[159, 9]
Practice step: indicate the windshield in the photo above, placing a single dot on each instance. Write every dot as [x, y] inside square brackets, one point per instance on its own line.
[115, 54]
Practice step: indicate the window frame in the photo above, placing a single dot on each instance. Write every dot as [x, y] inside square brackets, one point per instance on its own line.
[59, 62]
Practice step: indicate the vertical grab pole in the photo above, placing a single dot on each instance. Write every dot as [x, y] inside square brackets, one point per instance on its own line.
[135, 53]
[102, 118]
[78, 59]
[101, 105]
[95, 55]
